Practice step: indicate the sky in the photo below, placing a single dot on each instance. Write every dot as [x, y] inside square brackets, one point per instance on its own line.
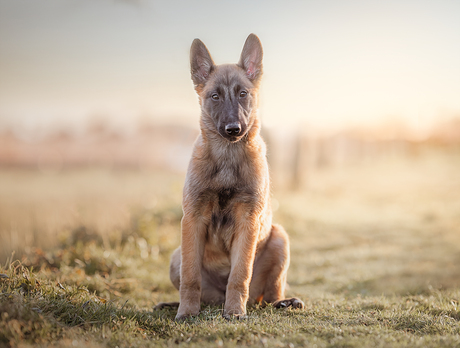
[327, 64]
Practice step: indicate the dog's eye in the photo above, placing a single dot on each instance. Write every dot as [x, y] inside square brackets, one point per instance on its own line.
[215, 96]
[243, 94]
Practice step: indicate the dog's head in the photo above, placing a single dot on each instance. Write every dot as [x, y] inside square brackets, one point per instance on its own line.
[228, 93]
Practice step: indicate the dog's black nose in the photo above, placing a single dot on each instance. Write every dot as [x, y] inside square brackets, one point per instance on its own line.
[233, 129]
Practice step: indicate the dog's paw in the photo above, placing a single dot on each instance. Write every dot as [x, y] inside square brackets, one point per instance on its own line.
[163, 305]
[235, 316]
[289, 302]
[182, 317]
[184, 312]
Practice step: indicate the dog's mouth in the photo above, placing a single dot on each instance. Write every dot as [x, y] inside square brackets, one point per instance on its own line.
[232, 138]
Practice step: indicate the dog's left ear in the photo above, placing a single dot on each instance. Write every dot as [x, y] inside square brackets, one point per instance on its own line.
[251, 58]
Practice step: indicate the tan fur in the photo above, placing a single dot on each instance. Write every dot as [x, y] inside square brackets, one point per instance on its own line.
[231, 252]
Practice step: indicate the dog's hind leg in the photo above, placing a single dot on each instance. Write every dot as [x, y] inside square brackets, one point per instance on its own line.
[174, 274]
[163, 305]
[211, 293]
[270, 270]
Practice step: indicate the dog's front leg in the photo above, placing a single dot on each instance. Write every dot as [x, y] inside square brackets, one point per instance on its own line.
[243, 252]
[192, 249]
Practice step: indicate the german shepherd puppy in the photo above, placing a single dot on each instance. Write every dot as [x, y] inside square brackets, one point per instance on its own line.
[231, 253]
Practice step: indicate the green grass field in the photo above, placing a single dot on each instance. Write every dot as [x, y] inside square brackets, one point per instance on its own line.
[375, 255]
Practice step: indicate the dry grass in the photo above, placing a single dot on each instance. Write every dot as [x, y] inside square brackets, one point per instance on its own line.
[388, 228]
[37, 208]
[375, 254]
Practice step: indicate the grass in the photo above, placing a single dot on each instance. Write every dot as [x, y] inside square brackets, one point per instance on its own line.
[39, 310]
[374, 254]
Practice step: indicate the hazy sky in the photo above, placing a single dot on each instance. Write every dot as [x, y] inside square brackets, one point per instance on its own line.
[327, 63]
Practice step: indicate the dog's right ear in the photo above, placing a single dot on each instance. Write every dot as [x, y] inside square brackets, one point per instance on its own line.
[251, 58]
[201, 64]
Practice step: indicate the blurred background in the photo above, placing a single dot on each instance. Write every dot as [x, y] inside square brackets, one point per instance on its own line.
[360, 104]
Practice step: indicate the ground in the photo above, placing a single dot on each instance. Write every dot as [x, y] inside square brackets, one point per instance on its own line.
[375, 255]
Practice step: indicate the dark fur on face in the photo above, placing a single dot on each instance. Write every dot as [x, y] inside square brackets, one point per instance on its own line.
[228, 93]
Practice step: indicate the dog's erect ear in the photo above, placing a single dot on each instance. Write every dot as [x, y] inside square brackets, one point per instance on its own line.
[251, 58]
[201, 63]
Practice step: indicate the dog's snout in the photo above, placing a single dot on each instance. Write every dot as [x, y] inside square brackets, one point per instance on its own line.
[233, 129]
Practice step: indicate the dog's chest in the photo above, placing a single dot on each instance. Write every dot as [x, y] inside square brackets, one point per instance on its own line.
[223, 218]
[227, 191]
[226, 174]
[223, 211]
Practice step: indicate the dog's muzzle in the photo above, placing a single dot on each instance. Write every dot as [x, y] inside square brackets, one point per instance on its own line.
[233, 132]
[233, 129]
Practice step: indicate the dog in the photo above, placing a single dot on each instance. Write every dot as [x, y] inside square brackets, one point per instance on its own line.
[230, 253]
